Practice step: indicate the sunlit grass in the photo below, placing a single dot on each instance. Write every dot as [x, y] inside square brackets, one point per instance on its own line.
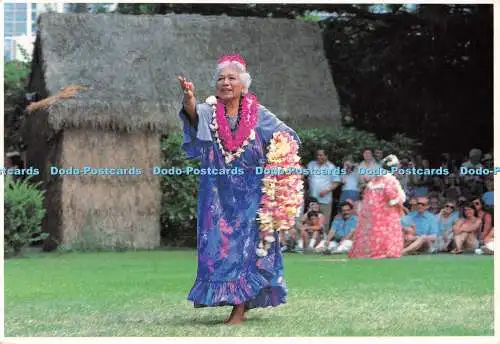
[144, 294]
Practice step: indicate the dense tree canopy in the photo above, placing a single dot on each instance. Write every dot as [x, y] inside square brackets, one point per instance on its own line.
[426, 71]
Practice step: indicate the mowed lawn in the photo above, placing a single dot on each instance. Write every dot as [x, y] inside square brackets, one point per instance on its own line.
[144, 294]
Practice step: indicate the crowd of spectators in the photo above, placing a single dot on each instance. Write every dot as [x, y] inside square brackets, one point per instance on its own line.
[447, 209]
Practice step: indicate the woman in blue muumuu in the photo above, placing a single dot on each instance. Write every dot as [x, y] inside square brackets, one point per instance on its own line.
[231, 130]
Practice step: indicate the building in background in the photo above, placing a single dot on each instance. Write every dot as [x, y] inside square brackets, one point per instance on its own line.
[20, 24]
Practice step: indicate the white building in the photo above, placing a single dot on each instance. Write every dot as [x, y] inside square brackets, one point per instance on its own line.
[20, 24]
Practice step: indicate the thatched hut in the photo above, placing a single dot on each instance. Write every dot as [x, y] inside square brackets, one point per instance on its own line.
[127, 68]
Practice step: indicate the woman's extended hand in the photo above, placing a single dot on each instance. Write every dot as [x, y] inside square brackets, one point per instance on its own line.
[189, 101]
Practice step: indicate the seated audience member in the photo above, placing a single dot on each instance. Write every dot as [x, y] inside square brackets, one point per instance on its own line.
[409, 232]
[487, 197]
[350, 183]
[313, 206]
[426, 228]
[311, 230]
[484, 216]
[488, 247]
[339, 237]
[446, 218]
[465, 231]
[434, 206]
[412, 204]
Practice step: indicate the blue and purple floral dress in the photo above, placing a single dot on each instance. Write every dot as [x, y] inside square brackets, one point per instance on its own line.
[229, 271]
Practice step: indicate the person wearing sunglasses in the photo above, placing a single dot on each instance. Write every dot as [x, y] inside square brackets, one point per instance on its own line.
[484, 216]
[426, 228]
[465, 230]
[447, 218]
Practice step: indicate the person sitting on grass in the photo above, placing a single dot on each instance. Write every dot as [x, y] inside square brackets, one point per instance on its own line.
[465, 230]
[446, 220]
[313, 206]
[339, 237]
[488, 247]
[426, 229]
[485, 216]
[311, 230]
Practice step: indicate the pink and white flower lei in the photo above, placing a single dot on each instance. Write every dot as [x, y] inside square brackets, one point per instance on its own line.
[282, 193]
[233, 146]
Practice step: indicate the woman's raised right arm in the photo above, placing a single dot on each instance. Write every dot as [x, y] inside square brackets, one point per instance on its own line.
[189, 101]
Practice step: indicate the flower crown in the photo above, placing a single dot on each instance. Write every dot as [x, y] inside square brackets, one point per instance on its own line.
[391, 161]
[233, 58]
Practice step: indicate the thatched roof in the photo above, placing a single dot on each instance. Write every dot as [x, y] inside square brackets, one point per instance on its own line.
[129, 65]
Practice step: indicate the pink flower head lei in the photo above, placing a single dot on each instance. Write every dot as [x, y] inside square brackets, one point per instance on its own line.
[282, 191]
[232, 146]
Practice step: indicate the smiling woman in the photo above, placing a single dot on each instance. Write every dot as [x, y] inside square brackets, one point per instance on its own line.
[232, 130]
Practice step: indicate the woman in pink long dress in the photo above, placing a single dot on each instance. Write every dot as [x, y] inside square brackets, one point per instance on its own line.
[378, 233]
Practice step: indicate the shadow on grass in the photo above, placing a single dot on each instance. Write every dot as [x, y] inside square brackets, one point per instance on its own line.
[210, 321]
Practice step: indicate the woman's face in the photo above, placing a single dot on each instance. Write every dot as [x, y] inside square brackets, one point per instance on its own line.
[228, 85]
[477, 204]
[469, 212]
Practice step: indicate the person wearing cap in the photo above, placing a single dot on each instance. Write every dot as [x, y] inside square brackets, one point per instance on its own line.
[232, 130]
[378, 233]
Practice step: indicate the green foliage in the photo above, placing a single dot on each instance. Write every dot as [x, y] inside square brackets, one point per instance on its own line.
[15, 75]
[340, 142]
[24, 212]
[417, 72]
[179, 201]
[309, 16]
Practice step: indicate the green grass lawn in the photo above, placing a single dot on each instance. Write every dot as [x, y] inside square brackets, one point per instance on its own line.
[144, 294]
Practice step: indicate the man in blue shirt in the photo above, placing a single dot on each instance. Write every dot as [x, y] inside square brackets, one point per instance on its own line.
[426, 228]
[339, 239]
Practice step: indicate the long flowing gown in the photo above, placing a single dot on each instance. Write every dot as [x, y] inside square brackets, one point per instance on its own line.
[379, 233]
[229, 271]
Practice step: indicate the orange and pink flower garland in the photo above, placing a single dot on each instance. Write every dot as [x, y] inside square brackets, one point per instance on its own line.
[282, 192]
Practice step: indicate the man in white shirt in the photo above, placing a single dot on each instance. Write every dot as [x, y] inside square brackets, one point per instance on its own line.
[323, 178]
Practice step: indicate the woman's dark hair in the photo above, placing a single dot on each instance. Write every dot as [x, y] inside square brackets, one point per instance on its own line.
[312, 214]
[308, 201]
[468, 205]
[483, 205]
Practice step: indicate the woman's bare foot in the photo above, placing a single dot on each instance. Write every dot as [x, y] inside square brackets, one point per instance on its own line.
[230, 315]
[237, 315]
